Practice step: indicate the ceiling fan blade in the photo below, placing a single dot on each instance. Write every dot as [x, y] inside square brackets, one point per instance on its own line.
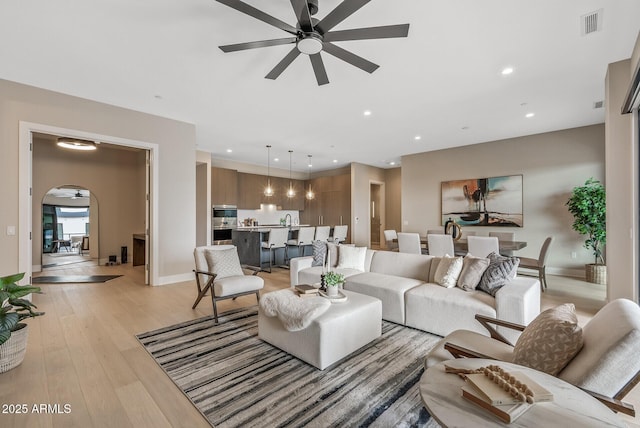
[280, 67]
[301, 9]
[384, 32]
[259, 44]
[318, 69]
[349, 57]
[339, 14]
[258, 14]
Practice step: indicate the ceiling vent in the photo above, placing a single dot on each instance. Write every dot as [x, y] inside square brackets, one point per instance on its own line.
[591, 22]
[598, 104]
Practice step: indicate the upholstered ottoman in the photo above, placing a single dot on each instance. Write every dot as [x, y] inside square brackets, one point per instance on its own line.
[344, 328]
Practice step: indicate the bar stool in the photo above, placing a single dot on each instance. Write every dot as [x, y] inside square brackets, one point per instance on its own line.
[277, 239]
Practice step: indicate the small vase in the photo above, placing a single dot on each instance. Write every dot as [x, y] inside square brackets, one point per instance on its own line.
[332, 291]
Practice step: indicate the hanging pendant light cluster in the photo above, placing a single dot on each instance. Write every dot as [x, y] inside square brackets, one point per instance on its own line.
[290, 193]
[309, 195]
[268, 191]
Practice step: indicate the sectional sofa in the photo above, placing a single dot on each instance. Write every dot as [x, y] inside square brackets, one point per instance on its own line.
[405, 285]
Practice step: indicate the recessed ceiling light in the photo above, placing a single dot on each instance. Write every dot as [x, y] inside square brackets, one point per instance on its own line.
[417, 137]
[229, 150]
[367, 113]
[392, 163]
[335, 161]
[507, 70]
[276, 159]
[309, 165]
[76, 144]
[529, 115]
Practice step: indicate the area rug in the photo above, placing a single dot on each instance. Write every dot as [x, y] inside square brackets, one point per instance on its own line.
[72, 279]
[235, 379]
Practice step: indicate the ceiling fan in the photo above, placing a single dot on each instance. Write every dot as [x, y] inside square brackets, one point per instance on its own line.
[311, 36]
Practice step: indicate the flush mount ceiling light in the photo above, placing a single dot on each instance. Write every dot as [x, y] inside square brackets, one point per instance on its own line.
[76, 144]
[268, 191]
[506, 71]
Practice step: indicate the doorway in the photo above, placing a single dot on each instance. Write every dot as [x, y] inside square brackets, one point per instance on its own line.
[70, 228]
[376, 214]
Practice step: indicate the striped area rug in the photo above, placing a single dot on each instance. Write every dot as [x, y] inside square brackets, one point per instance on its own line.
[236, 380]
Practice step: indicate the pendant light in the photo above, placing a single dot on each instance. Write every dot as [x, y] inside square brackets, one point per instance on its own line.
[290, 193]
[310, 195]
[268, 191]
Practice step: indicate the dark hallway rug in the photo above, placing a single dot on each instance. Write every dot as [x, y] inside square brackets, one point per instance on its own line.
[236, 380]
[72, 279]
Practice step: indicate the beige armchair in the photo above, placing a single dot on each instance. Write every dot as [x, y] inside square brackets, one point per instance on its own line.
[607, 366]
[218, 271]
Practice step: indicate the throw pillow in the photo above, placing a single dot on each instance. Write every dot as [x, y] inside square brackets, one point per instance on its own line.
[550, 341]
[472, 270]
[332, 255]
[500, 271]
[351, 257]
[224, 263]
[319, 253]
[448, 271]
[433, 268]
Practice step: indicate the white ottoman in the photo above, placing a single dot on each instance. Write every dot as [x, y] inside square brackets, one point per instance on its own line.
[342, 329]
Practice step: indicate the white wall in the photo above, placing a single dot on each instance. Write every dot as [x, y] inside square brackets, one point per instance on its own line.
[551, 164]
[175, 162]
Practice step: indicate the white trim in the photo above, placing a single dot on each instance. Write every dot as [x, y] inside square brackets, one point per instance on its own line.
[25, 180]
[172, 279]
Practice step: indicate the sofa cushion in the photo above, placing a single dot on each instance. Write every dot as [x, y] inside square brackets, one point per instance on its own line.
[448, 271]
[472, 270]
[319, 253]
[237, 284]
[388, 288]
[351, 257]
[500, 270]
[404, 265]
[224, 263]
[550, 341]
[440, 310]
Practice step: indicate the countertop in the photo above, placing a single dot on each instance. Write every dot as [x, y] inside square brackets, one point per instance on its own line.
[266, 227]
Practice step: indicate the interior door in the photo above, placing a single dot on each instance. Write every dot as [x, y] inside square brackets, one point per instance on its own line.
[147, 214]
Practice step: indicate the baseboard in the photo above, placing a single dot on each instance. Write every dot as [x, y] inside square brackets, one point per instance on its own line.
[172, 279]
[575, 273]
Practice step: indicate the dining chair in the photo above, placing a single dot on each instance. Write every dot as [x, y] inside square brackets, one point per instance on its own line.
[409, 243]
[303, 240]
[440, 245]
[340, 233]
[435, 231]
[482, 246]
[277, 239]
[539, 264]
[389, 236]
[505, 236]
[322, 233]
[218, 270]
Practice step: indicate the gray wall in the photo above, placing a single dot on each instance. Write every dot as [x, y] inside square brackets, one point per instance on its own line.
[551, 165]
[116, 178]
[175, 163]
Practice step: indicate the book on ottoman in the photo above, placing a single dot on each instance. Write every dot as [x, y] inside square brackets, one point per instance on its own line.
[306, 289]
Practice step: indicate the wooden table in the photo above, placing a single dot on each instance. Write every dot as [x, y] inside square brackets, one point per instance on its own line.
[571, 407]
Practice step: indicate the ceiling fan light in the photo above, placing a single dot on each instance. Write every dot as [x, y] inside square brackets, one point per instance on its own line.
[310, 44]
[75, 144]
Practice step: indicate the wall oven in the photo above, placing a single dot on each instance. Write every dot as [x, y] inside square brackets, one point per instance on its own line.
[225, 220]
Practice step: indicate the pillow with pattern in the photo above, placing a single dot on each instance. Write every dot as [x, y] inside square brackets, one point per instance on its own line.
[550, 341]
[319, 253]
[224, 263]
[501, 270]
[448, 271]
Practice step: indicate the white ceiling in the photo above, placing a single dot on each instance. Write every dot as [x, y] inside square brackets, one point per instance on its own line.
[161, 57]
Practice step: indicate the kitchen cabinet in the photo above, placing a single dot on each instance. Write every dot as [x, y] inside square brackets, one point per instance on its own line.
[224, 186]
[332, 203]
[251, 192]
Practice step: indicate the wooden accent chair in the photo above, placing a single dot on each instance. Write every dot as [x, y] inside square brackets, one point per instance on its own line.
[607, 366]
[218, 271]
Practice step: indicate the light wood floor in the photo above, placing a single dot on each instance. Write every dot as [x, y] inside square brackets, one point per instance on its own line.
[83, 352]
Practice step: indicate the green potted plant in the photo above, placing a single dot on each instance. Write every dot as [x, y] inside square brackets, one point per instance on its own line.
[333, 280]
[13, 309]
[588, 206]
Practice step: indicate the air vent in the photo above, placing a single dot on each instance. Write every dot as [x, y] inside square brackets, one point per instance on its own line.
[598, 104]
[591, 22]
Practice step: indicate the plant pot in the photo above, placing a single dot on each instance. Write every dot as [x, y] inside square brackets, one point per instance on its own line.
[596, 273]
[12, 351]
[332, 290]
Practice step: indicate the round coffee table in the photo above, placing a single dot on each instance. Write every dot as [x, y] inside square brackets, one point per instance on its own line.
[571, 407]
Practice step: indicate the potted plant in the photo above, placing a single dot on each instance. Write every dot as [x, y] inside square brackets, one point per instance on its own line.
[13, 309]
[333, 280]
[588, 206]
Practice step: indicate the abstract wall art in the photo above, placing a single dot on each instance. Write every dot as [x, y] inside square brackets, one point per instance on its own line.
[491, 201]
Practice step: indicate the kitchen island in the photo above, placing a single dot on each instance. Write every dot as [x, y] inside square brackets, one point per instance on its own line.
[249, 239]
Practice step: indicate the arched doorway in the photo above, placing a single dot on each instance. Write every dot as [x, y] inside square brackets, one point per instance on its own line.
[70, 219]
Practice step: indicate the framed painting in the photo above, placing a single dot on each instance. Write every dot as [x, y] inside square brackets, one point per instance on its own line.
[491, 201]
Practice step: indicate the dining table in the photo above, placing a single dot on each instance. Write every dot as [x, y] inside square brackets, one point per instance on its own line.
[461, 245]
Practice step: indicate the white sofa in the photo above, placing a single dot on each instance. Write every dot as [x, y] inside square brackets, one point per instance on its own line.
[404, 283]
